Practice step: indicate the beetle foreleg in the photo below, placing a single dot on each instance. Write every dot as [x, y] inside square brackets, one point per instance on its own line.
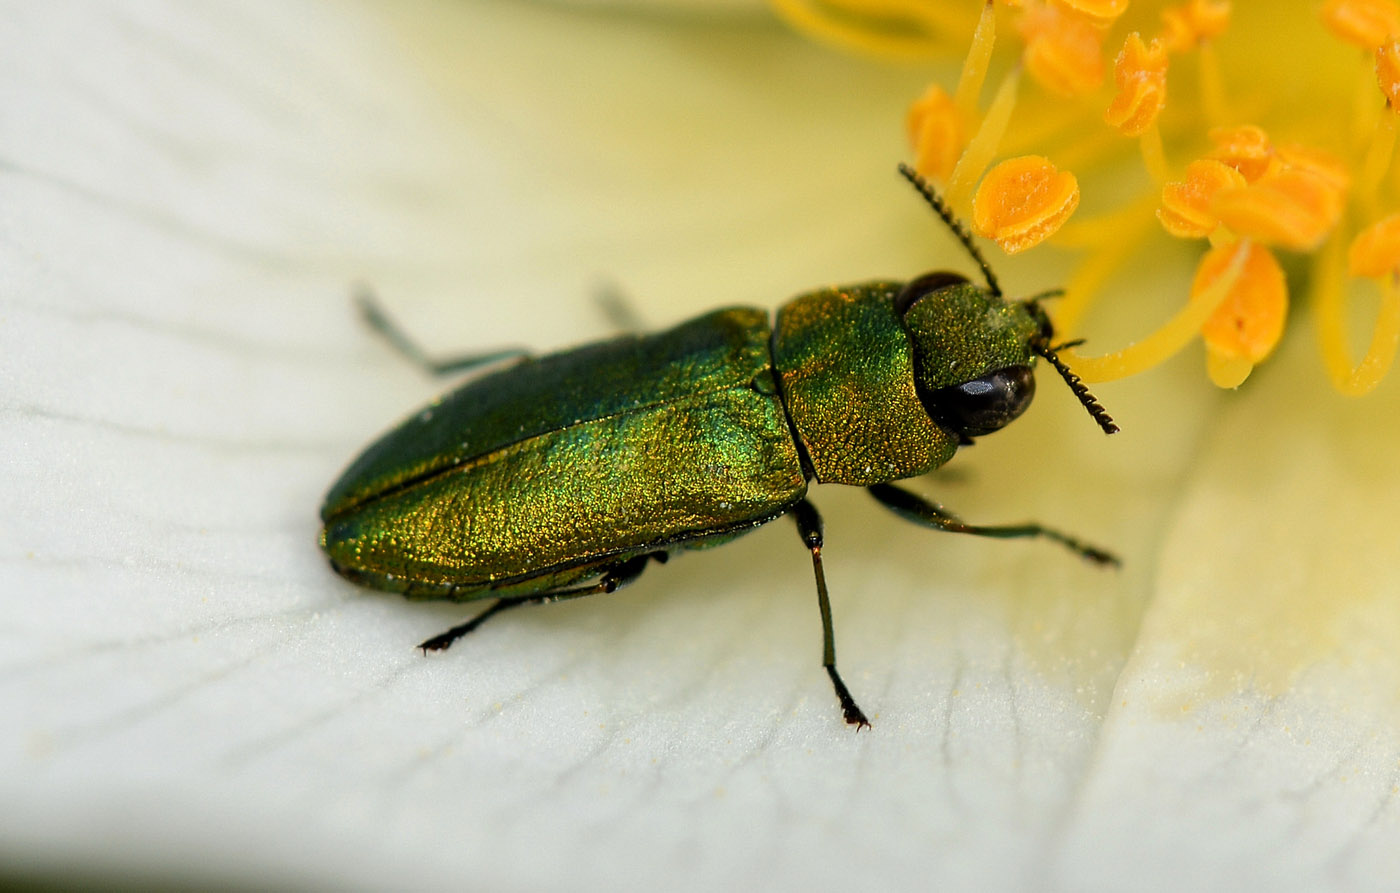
[809, 527]
[379, 321]
[929, 514]
[613, 579]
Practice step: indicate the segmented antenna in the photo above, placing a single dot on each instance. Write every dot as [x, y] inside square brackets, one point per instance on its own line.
[1042, 348]
[936, 202]
[1087, 399]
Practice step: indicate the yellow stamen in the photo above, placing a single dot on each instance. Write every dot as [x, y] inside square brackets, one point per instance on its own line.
[1186, 203]
[1187, 26]
[1377, 166]
[1212, 86]
[1192, 26]
[1154, 158]
[1247, 196]
[982, 148]
[1388, 71]
[1245, 148]
[1380, 150]
[1333, 170]
[1140, 72]
[979, 57]
[1100, 12]
[1365, 23]
[1292, 207]
[1247, 325]
[937, 133]
[1365, 112]
[1375, 252]
[1023, 201]
[1329, 297]
[1379, 154]
[1064, 52]
[1169, 339]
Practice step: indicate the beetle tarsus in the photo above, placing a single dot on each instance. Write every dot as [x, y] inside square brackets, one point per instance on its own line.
[1089, 553]
[612, 579]
[849, 708]
[442, 641]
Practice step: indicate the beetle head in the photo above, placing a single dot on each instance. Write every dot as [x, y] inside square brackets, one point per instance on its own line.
[973, 349]
[972, 353]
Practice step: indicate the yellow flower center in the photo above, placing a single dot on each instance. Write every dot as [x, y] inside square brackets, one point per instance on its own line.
[1327, 190]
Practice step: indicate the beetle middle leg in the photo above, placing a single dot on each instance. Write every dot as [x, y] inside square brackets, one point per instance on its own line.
[612, 579]
[379, 321]
[809, 526]
[921, 511]
[618, 308]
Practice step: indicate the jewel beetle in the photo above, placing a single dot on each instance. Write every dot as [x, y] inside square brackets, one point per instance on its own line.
[567, 475]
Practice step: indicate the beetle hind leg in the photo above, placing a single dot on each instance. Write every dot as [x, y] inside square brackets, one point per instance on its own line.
[379, 321]
[612, 579]
[912, 507]
[809, 527]
[441, 641]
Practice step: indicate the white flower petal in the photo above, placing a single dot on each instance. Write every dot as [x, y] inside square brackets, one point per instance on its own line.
[186, 194]
[1256, 729]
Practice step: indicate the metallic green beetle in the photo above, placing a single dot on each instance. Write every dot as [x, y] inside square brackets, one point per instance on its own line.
[565, 475]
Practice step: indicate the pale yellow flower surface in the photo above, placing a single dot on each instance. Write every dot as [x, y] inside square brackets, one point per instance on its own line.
[187, 194]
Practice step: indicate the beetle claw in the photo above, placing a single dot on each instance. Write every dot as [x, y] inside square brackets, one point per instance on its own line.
[849, 709]
[1101, 556]
[437, 643]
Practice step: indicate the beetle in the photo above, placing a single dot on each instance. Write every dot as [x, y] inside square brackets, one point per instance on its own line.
[567, 475]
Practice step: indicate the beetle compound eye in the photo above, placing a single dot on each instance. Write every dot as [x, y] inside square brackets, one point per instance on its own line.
[926, 284]
[984, 404]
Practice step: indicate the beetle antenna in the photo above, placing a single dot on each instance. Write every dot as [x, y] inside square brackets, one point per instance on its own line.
[936, 202]
[1049, 294]
[1096, 410]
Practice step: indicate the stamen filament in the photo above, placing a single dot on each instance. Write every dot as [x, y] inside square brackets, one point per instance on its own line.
[982, 148]
[1379, 156]
[1364, 105]
[1212, 86]
[910, 31]
[1153, 156]
[1170, 338]
[1114, 238]
[979, 57]
[1330, 298]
